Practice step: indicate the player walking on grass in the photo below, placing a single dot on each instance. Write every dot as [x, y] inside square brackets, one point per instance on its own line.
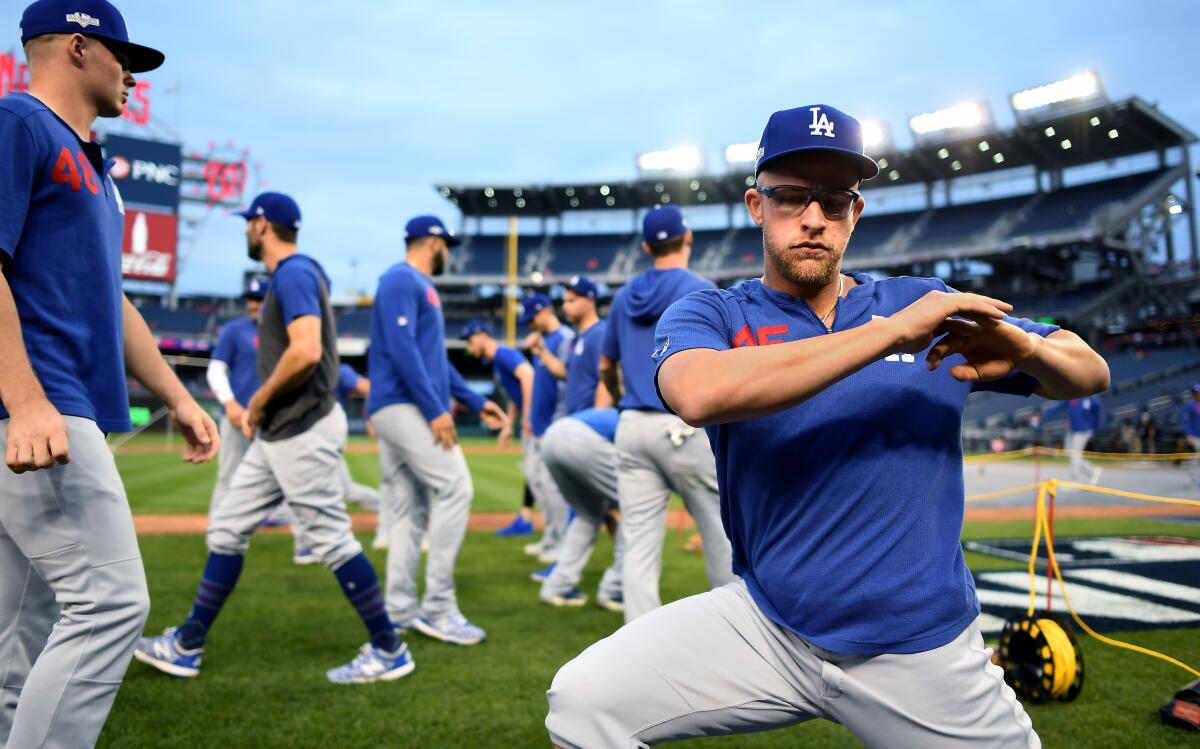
[548, 339]
[73, 593]
[835, 412]
[297, 433]
[427, 482]
[1085, 418]
[657, 452]
[515, 375]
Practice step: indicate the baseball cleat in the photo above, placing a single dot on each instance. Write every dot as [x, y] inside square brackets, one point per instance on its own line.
[372, 664]
[305, 556]
[1096, 473]
[165, 654]
[542, 575]
[533, 549]
[380, 541]
[454, 629]
[548, 556]
[612, 603]
[571, 599]
[518, 527]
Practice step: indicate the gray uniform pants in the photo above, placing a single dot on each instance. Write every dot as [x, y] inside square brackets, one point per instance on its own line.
[304, 471]
[650, 465]
[1081, 469]
[714, 664]
[427, 487]
[584, 465]
[73, 596]
[547, 493]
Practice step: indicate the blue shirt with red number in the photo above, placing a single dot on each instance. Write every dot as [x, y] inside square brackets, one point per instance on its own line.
[237, 346]
[407, 361]
[845, 511]
[61, 226]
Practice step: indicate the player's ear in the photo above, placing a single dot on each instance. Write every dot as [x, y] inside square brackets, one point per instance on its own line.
[77, 49]
[753, 200]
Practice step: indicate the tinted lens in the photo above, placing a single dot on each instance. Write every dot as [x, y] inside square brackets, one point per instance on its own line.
[791, 200]
[837, 203]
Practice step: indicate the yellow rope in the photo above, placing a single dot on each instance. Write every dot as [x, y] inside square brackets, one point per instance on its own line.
[1123, 493]
[1062, 655]
[1001, 493]
[1061, 453]
[1038, 525]
[993, 457]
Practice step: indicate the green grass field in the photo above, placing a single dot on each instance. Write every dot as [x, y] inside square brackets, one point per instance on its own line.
[263, 681]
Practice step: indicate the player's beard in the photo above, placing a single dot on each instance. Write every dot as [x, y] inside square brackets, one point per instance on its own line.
[254, 248]
[439, 263]
[805, 272]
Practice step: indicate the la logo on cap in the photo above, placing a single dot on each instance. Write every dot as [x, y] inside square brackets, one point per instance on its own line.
[83, 19]
[820, 126]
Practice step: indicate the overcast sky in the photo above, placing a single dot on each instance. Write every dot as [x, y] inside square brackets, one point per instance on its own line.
[357, 109]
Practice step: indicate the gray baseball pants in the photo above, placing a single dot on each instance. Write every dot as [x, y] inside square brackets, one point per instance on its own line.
[426, 487]
[650, 465]
[584, 465]
[73, 596]
[547, 493]
[714, 664]
[304, 470]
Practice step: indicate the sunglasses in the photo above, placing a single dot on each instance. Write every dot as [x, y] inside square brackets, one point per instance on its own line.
[792, 200]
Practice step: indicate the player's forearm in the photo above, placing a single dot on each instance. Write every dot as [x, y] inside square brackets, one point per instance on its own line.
[19, 384]
[707, 387]
[603, 398]
[145, 362]
[610, 377]
[1066, 367]
[294, 369]
[553, 364]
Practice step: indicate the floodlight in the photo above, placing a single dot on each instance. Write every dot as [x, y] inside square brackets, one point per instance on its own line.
[679, 159]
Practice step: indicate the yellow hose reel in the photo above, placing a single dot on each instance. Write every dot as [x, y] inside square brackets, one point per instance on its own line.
[1041, 658]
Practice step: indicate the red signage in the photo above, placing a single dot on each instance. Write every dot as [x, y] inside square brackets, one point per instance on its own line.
[148, 250]
[225, 180]
[14, 76]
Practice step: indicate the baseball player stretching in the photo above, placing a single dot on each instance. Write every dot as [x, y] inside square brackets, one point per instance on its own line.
[836, 422]
[515, 376]
[427, 481]
[549, 340]
[1085, 418]
[72, 589]
[657, 452]
[297, 433]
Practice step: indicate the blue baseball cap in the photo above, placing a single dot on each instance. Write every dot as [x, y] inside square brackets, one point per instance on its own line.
[475, 327]
[663, 222]
[1196, 388]
[95, 18]
[256, 288]
[430, 226]
[531, 305]
[817, 127]
[583, 286]
[274, 207]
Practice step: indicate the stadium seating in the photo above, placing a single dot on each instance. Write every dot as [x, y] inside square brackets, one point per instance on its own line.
[180, 321]
[585, 253]
[1072, 207]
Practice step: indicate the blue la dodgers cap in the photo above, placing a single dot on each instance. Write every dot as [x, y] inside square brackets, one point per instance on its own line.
[256, 288]
[531, 305]
[274, 207]
[663, 222]
[475, 327]
[430, 226]
[817, 127]
[96, 18]
[583, 286]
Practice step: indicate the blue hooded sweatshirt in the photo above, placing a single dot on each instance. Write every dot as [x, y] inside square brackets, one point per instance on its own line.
[629, 338]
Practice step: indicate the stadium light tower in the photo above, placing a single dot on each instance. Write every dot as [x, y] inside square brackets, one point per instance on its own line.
[877, 136]
[741, 154]
[679, 160]
[960, 119]
[1080, 89]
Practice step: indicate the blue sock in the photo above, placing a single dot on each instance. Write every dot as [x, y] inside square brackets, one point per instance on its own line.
[361, 586]
[221, 573]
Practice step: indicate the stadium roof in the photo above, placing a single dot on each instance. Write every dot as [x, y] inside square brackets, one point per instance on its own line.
[1087, 133]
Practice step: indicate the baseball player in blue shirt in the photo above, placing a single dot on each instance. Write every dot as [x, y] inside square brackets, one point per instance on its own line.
[515, 376]
[657, 452]
[834, 405]
[429, 485]
[1189, 418]
[1085, 418]
[549, 340]
[297, 434]
[72, 588]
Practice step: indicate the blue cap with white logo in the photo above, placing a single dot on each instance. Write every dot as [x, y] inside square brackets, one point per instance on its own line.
[583, 286]
[662, 223]
[475, 327]
[274, 207]
[256, 288]
[430, 226]
[531, 305]
[817, 127]
[91, 18]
